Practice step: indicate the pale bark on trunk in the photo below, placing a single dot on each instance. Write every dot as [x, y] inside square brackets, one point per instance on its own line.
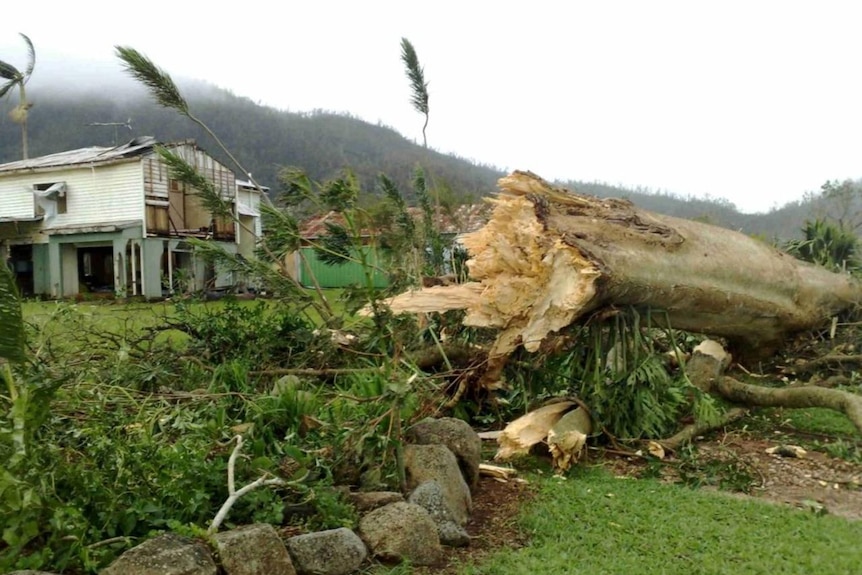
[549, 256]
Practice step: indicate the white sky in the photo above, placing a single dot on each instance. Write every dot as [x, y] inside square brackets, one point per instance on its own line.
[754, 101]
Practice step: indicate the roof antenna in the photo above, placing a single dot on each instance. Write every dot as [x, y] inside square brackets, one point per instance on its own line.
[116, 125]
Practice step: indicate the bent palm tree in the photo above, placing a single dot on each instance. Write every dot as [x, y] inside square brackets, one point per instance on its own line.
[17, 78]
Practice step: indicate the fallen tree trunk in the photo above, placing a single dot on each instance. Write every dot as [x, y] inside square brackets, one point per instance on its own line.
[549, 256]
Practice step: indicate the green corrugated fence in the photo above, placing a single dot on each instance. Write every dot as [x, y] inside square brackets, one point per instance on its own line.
[329, 276]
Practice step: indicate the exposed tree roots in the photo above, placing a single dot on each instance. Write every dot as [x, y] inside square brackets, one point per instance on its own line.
[792, 397]
[706, 369]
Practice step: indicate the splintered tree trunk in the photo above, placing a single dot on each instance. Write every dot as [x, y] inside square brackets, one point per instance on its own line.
[549, 256]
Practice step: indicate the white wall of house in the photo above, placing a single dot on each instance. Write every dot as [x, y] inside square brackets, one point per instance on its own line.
[94, 195]
[16, 198]
[248, 197]
[102, 195]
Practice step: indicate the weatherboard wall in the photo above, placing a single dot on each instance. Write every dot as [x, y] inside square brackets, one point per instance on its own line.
[16, 198]
[94, 195]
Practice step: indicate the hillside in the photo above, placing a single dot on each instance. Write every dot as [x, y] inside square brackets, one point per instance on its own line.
[322, 143]
[265, 139]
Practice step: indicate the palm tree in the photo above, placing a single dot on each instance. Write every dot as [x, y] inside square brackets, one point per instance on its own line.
[17, 78]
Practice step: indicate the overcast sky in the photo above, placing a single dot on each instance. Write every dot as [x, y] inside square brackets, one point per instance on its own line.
[753, 101]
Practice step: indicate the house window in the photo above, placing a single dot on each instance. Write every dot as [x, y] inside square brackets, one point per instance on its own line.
[50, 198]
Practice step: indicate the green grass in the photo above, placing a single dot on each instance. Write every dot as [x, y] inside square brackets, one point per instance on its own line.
[818, 420]
[118, 314]
[593, 523]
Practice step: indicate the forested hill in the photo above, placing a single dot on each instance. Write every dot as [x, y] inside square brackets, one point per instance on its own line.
[322, 143]
[262, 138]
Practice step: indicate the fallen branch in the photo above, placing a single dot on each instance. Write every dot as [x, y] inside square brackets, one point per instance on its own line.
[826, 361]
[233, 494]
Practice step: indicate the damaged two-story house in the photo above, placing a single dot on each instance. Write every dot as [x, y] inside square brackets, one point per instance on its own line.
[113, 220]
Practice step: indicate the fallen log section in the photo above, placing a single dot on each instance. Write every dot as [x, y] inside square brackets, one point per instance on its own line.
[548, 256]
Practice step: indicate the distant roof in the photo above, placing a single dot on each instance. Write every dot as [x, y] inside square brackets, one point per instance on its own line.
[250, 184]
[133, 148]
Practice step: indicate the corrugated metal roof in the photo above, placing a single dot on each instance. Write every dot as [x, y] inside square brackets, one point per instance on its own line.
[91, 155]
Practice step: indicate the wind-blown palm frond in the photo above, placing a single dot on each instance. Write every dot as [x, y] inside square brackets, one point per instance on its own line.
[282, 233]
[418, 85]
[296, 186]
[184, 172]
[31, 57]
[158, 81]
[402, 216]
[416, 74]
[341, 193]
[335, 247]
[6, 87]
[8, 71]
[11, 319]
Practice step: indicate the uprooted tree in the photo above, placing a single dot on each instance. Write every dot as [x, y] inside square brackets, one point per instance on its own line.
[550, 258]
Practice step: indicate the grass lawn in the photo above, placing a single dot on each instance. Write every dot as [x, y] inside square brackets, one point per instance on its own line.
[131, 318]
[594, 523]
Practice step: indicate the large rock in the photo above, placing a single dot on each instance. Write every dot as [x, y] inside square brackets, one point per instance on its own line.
[334, 552]
[435, 462]
[401, 531]
[167, 554]
[455, 434]
[365, 501]
[431, 498]
[253, 550]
